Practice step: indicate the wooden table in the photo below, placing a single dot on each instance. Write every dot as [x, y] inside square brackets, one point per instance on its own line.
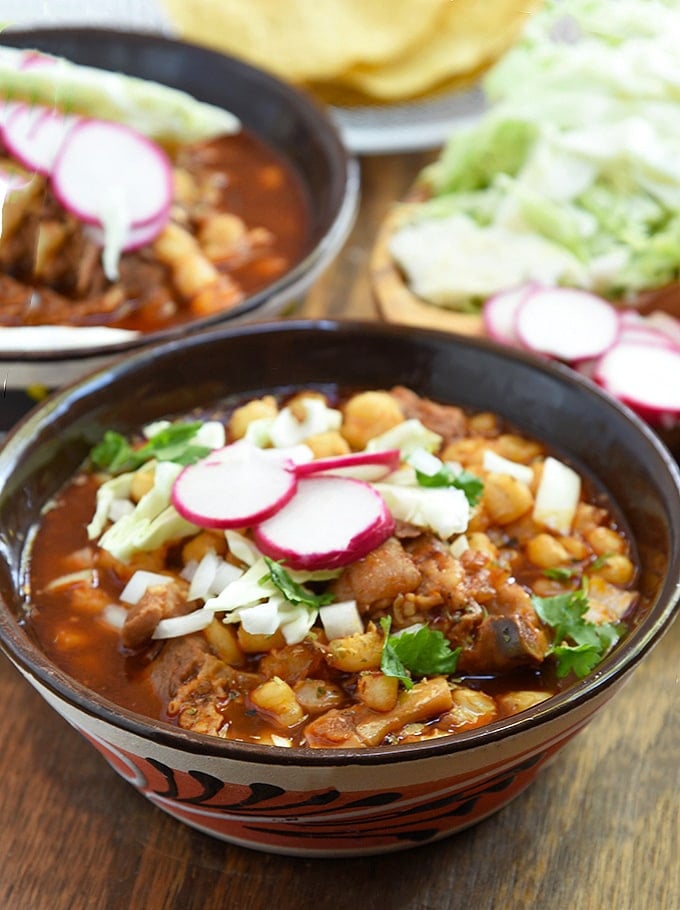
[598, 829]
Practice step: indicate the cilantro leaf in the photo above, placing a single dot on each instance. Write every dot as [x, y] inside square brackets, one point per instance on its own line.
[294, 592]
[577, 659]
[115, 454]
[578, 644]
[113, 451]
[469, 483]
[426, 652]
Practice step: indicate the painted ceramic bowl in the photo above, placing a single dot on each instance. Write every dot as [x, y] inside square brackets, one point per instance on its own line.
[287, 121]
[340, 802]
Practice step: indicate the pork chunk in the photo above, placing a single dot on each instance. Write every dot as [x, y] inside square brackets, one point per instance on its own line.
[158, 602]
[379, 577]
[446, 420]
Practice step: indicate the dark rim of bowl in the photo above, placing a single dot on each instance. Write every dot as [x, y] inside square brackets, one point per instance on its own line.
[344, 209]
[613, 669]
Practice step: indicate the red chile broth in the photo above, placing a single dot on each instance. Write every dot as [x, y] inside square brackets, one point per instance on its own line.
[236, 175]
[73, 634]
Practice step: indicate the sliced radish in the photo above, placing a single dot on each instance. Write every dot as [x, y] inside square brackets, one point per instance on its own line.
[637, 328]
[7, 108]
[500, 312]
[645, 376]
[34, 59]
[136, 237]
[664, 322]
[360, 465]
[34, 135]
[569, 324]
[105, 167]
[646, 336]
[234, 487]
[329, 523]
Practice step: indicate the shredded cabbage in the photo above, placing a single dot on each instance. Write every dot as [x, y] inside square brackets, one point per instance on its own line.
[572, 177]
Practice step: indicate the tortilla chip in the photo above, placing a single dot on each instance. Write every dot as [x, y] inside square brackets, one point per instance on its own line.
[470, 35]
[303, 40]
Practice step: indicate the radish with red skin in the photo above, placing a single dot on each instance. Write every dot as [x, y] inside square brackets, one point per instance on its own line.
[359, 465]
[500, 312]
[234, 487]
[33, 59]
[35, 135]
[329, 523]
[106, 166]
[137, 235]
[666, 324]
[645, 336]
[565, 323]
[644, 376]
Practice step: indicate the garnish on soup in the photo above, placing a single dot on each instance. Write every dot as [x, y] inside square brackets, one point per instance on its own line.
[329, 570]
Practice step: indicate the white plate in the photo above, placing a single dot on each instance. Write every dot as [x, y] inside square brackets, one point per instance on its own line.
[409, 127]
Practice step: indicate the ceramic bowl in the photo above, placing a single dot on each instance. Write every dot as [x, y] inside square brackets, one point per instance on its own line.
[337, 802]
[286, 119]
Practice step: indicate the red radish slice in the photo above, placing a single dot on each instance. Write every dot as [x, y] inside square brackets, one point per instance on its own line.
[500, 311]
[7, 108]
[234, 487]
[647, 377]
[329, 523]
[34, 135]
[360, 465]
[645, 335]
[569, 324]
[665, 323]
[136, 237]
[106, 166]
[33, 59]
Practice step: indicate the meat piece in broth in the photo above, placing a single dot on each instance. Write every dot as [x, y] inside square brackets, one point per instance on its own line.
[379, 577]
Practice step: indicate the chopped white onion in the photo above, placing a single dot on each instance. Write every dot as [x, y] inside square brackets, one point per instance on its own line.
[281, 741]
[225, 574]
[459, 546]
[114, 615]
[72, 578]
[557, 496]
[443, 509]
[204, 576]
[120, 507]
[189, 569]
[286, 430]
[175, 626]
[425, 462]
[499, 465]
[135, 589]
[242, 548]
[212, 435]
[341, 619]
[153, 429]
[295, 622]
[262, 619]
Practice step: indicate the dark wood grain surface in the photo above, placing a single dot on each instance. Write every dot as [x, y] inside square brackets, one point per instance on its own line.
[598, 829]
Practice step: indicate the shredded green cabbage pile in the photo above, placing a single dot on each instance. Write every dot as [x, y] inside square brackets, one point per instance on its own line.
[573, 175]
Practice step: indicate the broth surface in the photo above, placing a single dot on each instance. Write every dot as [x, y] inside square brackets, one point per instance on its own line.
[240, 220]
[479, 599]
